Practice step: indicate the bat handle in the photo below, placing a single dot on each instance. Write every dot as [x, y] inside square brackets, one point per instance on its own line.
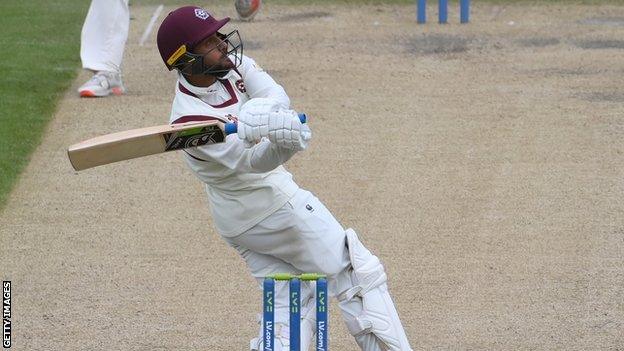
[231, 128]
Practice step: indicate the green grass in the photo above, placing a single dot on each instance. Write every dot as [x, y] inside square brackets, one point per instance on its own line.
[40, 43]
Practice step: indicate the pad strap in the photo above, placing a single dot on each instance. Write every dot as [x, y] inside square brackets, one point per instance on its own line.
[359, 325]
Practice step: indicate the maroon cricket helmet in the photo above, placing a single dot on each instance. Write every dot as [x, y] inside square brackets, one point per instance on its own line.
[184, 28]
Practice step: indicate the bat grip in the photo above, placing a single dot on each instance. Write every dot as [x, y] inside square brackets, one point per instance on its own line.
[231, 128]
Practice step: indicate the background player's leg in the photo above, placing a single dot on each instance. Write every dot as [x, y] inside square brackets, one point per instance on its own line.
[102, 42]
[104, 35]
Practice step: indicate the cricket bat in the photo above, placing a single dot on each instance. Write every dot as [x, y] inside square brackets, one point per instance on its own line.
[141, 142]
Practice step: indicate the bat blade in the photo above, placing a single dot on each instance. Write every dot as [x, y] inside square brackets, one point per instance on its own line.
[141, 142]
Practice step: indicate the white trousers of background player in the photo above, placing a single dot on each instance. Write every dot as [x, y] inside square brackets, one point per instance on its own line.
[104, 35]
[303, 236]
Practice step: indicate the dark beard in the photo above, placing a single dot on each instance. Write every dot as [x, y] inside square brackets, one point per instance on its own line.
[222, 68]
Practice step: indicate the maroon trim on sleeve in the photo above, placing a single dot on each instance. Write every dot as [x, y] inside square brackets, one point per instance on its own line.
[197, 118]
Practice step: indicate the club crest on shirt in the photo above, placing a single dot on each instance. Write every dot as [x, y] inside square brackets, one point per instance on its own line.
[240, 85]
[201, 13]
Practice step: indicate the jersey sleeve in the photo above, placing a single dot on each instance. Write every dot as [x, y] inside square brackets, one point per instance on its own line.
[233, 154]
[260, 84]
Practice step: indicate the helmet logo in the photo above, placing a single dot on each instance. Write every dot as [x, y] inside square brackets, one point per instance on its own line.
[201, 13]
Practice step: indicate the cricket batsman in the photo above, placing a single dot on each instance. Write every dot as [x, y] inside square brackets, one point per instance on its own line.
[258, 209]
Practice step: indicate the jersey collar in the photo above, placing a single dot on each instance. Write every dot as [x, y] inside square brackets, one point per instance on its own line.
[200, 92]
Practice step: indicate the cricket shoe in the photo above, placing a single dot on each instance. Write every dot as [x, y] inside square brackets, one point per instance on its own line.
[102, 84]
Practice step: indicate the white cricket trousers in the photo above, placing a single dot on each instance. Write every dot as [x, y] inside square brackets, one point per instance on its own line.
[301, 237]
[104, 35]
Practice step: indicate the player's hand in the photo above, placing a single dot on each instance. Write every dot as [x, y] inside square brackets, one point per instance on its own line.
[287, 131]
[253, 119]
[264, 118]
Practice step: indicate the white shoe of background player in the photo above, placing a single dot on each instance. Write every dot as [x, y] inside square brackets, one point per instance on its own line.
[102, 84]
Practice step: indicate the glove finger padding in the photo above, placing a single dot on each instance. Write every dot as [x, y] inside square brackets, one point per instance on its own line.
[262, 117]
[293, 135]
[306, 133]
[255, 114]
[244, 132]
[277, 120]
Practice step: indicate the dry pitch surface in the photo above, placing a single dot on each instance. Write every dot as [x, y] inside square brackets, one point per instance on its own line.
[482, 163]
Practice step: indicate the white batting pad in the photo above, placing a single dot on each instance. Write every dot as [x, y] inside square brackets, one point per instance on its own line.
[378, 315]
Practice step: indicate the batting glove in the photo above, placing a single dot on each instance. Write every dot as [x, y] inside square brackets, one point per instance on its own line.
[264, 118]
[287, 131]
[253, 119]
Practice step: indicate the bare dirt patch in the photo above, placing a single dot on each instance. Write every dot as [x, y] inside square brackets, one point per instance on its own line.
[302, 16]
[539, 42]
[603, 21]
[437, 44]
[608, 96]
[600, 44]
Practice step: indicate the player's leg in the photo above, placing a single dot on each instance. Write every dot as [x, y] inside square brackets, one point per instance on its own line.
[103, 38]
[306, 235]
[261, 266]
[303, 234]
[367, 306]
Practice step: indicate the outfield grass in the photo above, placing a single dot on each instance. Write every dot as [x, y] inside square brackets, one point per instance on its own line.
[40, 42]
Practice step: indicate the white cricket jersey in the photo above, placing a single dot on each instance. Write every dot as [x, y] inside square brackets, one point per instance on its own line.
[245, 184]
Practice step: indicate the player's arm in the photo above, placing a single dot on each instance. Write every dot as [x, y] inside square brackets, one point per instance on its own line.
[267, 114]
[233, 154]
[260, 84]
[264, 118]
